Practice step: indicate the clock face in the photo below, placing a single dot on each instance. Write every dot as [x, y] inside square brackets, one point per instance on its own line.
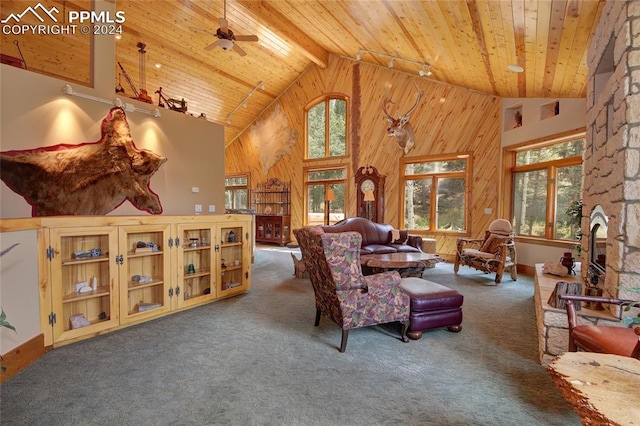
[367, 185]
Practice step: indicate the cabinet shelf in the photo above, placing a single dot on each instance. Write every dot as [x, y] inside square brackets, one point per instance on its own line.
[68, 262]
[132, 254]
[197, 274]
[197, 248]
[135, 286]
[231, 244]
[76, 296]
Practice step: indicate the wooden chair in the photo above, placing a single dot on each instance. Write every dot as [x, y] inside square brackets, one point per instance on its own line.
[603, 339]
[495, 253]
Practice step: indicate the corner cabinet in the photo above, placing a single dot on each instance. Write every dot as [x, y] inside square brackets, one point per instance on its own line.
[99, 274]
[272, 203]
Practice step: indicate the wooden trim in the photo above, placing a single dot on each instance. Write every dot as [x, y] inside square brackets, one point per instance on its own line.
[22, 356]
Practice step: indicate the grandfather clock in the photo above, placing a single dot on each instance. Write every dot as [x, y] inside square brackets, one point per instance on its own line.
[370, 194]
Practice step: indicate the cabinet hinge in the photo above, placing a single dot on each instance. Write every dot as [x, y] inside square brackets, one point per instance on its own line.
[52, 318]
[170, 291]
[50, 253]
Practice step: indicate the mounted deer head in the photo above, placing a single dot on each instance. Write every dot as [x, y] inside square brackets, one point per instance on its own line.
[400, 128]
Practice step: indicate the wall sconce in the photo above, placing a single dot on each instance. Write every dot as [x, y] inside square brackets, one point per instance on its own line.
[243, 102]
[68, 90]
[424, 70]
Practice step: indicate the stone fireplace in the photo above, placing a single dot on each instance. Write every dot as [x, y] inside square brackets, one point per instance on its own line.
[612, 152]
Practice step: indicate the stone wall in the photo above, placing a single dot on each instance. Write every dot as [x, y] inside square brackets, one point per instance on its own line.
[612, 152]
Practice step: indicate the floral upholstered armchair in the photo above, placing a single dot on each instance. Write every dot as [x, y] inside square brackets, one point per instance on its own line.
[495, 253]
[342, 293]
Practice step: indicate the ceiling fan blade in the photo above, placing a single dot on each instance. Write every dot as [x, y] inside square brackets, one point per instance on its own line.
[246, 37]
[239, 50]
[211, 46]
[224, 25]
[199, 30]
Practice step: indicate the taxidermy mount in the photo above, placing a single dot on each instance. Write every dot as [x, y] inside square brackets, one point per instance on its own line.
[91, 178]
[400, 129]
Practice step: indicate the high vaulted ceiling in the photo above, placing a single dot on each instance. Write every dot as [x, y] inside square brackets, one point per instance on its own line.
[467, 43]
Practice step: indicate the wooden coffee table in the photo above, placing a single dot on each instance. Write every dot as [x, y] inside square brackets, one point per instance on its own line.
[407, 264]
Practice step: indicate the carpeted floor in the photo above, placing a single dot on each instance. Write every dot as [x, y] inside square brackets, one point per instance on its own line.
[257, 359]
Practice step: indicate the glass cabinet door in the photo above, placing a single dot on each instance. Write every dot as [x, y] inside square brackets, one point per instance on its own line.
[234, 258]
[196, 282]
[84, 291]
[145, 272]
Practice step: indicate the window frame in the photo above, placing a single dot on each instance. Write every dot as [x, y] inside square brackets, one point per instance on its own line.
[435, 177]
[233, 188]
[326, 98]
[326, 183]
[510, 169]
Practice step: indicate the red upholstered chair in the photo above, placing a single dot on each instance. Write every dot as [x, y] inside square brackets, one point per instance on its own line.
[602, 339]
[495, 253]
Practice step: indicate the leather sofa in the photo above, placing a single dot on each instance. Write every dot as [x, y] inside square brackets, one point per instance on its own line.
[378, 238]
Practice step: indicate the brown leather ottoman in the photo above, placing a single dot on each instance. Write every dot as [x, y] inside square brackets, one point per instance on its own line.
[432, 306]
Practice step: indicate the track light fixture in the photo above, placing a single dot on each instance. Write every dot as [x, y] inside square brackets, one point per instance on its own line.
[70, 91]
[243, 103]
[424, 70]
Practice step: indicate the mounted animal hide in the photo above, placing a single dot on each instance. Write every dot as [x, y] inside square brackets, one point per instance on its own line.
[91, 178]
[273, 138]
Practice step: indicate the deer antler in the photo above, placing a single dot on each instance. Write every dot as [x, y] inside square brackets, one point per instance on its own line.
[383, 105]
[416, 104]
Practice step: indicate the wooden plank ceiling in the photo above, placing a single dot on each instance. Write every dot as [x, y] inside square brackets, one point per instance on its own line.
[466, 43]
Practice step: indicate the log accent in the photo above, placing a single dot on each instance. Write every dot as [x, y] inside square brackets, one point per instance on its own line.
[22, 356]
[602, 388]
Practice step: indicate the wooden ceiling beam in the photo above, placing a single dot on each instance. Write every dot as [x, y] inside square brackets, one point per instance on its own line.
[285, 29]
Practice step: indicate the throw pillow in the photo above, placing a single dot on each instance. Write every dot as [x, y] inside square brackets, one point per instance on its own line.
[399, 236]
[493, 242]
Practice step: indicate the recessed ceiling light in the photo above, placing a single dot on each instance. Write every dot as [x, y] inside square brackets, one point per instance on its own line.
[158, 65]
[515, 68]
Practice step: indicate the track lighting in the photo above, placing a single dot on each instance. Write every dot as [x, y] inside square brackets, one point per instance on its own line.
[68, 90]
[243, 103]
[425, 67]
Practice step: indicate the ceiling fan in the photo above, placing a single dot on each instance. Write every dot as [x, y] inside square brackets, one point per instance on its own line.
[226, 37]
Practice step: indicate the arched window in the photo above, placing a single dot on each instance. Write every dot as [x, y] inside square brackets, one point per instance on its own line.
[326, 128]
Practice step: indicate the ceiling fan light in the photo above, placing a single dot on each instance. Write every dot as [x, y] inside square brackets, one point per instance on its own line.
[421, 73]
[225, 44]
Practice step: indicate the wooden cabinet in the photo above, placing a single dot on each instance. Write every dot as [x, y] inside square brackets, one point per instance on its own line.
[80, 257]
[272, 202]
[273, 229]
[104, 273]
[144, 268]
[235, 258]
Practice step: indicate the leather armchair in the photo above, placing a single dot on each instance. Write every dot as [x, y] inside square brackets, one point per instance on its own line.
[496, 252]
[342, 293]
[614, 340]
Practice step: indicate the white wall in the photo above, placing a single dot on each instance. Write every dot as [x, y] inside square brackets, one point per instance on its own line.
[572, 116]
[19, 288]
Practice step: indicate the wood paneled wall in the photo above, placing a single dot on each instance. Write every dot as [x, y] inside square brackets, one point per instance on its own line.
[448, 120]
